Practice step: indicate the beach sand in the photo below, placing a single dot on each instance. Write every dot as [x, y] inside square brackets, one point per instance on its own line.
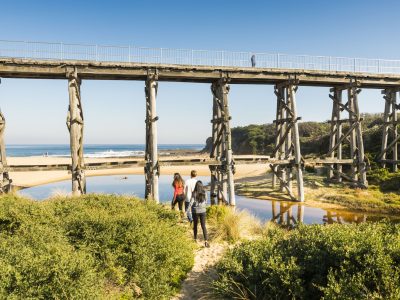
[34, 178]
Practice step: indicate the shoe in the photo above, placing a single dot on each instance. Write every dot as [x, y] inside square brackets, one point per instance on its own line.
[206, 244]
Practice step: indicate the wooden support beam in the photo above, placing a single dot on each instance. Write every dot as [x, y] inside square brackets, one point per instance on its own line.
[222, 177]
[391, 161]
[342, 138]
[75, 127]
[287, 142]
[218, 182]
[394, 132]
[222, 92]
[332, 161]
[335, 143]
[300, 213]
[345, 176]
[359, 146]
[5, 181]
[387, 96]
[354, 135]
[284, 182]
[152, 168]
[296, 142]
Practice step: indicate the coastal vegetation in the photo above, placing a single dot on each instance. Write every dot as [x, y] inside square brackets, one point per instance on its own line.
[314, 262]
[230, 225]
[91, 247]
[314, 137]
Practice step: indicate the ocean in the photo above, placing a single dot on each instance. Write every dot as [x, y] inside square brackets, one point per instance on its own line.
[95, 150]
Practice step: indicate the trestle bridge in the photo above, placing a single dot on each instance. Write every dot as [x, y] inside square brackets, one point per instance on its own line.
[346, 77]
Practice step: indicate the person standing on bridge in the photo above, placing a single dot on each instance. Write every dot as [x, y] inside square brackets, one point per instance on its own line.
[179, 195]
[253, 61]
[189, 188]
[198, 204]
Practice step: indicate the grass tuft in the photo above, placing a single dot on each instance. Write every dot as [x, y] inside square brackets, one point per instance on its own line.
[230, 224]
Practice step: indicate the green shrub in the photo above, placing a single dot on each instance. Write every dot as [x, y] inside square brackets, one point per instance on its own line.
[36, 260]
[313, 262]
[386, 180]
[90, 247]
[132, 244]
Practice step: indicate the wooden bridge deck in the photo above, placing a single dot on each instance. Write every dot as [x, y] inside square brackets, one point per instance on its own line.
[48, 69]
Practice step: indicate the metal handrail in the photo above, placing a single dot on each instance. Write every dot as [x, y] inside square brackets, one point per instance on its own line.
[110, 53]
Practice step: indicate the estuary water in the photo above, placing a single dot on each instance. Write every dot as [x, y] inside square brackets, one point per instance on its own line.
[286, 213]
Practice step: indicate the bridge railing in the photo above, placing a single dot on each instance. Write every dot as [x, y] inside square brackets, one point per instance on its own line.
[104, 53]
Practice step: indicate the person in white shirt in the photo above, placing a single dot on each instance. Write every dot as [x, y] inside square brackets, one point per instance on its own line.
[189, 188]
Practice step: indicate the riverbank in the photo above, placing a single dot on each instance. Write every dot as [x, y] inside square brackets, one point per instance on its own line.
[321, 194]
[34, 178]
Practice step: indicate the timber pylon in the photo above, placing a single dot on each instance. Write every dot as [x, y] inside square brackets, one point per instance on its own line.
[390, 136]
[75, 127]
[152, 168]
[5, 181]
[222, 182]
[287, 155]
[353, 134]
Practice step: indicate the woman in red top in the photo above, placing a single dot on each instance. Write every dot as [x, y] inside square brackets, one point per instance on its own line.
[179, 195]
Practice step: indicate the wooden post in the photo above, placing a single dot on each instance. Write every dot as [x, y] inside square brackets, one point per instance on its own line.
[228, 143]
[390, 125]
[287, 154]
[274, 213]
[5, 183]
[395, 133]
[361, 165]
[334, 127]
[339, 135]
[280, 129]
[215, 150]
[222, 141]
[300, 213]
[75, 127]
[296, 143]
[213, 185]
[386, 124]
[353, 138]
[151, 168]
[216, 190]
[228, 164]
[354, 133]
[335, 134]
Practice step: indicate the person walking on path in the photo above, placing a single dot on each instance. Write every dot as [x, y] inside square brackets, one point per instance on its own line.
[198, 204]
[189, 187]
[179, 195]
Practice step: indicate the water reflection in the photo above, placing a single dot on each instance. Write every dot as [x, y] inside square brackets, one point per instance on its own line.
[285, 216]
[343, 217]
[281, 212]
[289, 214]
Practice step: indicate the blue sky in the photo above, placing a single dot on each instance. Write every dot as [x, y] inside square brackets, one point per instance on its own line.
[35, 110]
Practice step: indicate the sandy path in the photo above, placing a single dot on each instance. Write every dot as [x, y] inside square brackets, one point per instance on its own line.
[197, 285]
